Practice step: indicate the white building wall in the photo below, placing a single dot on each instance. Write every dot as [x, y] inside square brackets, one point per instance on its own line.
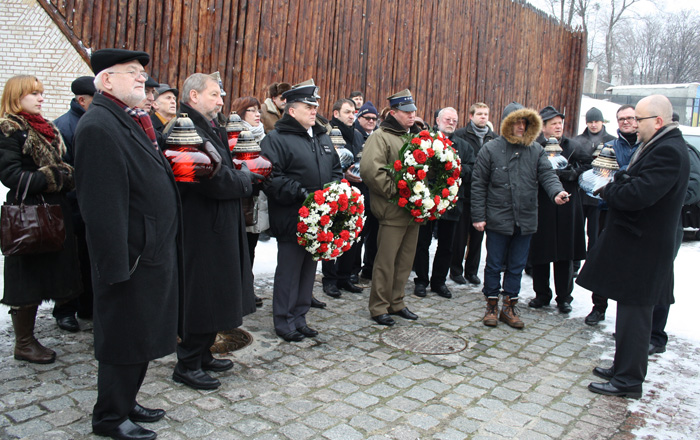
[31, 43]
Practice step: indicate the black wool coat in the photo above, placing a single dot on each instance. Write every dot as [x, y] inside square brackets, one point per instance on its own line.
[30, 279]
[560, 232]
[301, 165]
[467, 159]
[129, 201]
[632, 260]
[218, 274]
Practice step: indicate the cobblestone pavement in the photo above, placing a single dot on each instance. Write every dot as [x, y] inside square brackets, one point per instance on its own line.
[348, 384]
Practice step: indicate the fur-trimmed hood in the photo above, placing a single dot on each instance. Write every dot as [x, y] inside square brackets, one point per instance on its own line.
[512, 113]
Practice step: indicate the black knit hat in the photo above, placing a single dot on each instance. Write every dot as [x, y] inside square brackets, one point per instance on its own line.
[85, 85]
[105, 58]
[594, 115]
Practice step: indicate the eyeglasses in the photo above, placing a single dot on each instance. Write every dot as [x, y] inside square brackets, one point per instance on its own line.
[647, 117]
[134, 74]
[369, 118]
[629, 120]
[253, 110]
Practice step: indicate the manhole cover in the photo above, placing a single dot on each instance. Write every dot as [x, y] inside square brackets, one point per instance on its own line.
[423, 340]
[231, 340]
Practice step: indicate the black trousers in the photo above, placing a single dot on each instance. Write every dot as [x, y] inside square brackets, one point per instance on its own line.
[563, 281]
[632, 332]
[81, 305]
[341, 268]
[469, 240]
[194, 348]
[294, 283]
[600, 303]
[443, 253]
[370, 241]
[658, 325]
[117, 387]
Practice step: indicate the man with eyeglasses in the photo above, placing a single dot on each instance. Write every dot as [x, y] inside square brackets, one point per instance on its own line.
[446, 121]
[129, 201]
[625, 145]
[467, 239]
[632, 262]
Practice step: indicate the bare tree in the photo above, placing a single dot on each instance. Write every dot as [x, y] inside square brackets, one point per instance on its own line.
[618, 13]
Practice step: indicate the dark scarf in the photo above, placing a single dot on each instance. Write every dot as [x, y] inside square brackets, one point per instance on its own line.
[348, 132]
[38, 123]
[141, 117]
[631, 138]
[479, 132]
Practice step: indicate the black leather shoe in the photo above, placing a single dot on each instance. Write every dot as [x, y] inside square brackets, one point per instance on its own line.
[217, 365]
[459, 279]
[654, 349]
[196, 379]
[405, 314]
[331, 290]
[366, 275]
[148, 415]
[127, 430]
[473, 279]
[317, 304]
[293, 336]
[350, 287]
[419, 290]
[354, 278]
[564, 307]
[604, 373]
[537, 303]
[258, 301]
[594, 317]
[611, 390]
[307, 331]
[384, 319]
[68, 323]
[442, 291]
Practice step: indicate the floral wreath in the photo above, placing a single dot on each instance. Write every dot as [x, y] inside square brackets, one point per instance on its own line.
[331, 220]
[426, 175]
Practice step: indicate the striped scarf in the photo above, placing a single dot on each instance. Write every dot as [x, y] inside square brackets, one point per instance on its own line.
[141, 117]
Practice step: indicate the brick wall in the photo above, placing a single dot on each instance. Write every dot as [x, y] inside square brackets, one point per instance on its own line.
[30, 43]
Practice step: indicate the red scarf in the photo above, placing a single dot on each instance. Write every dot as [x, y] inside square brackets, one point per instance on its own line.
[140, 116]
[39, 124]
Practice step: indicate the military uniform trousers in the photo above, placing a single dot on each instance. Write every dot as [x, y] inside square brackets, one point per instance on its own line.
[396, 249]
[294, 283]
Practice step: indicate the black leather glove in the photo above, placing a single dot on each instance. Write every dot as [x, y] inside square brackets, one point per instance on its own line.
[254, 178]
[303, 193]
[214, 155]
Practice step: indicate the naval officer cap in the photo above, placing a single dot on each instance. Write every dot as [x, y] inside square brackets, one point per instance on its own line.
[105, 58]
[402, 101]
[305, 92]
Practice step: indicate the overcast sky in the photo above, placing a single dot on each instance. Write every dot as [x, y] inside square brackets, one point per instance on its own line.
[643, 7]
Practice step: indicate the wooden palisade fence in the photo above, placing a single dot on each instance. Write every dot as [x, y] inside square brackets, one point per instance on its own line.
[448, 52]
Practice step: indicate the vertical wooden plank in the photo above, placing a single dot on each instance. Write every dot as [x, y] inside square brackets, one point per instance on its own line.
[172, 58]
[232, 49]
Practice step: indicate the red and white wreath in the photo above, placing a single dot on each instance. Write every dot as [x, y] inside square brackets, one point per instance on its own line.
[331, 220]
[427, 175]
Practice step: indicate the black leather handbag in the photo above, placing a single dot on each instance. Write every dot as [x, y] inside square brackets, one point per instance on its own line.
[30, 229]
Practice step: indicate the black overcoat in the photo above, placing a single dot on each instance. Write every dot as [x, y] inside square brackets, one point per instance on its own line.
[29, 279]
[560, 232]
[632, 260]
[218, 275]
[129, 201]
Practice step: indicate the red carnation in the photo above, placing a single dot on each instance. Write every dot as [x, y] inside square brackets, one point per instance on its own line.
[361, 209]
[402, 184]
[319, 198]
[335, 253]
[402, 202]
[302, 227]
[419, 156]
[301, 241]
[447, 142]
[416, 212]
[303, 212]
[432, 217]
[448, 166]
[418, 202]
[430, 152]
[445, 192]
[424, 133]
[346, 247]
[353, 209]
[455, 174]
[358, 223]
[324, 220]
[323, 248]
[418, 220]
[345, 234]
[436, 199]
[405, 192]
[398, 165]
[339, 242]
[345, 181]
[411, 170]
[416, 141]
[442, 211]
[450, 181]
[420, 174]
